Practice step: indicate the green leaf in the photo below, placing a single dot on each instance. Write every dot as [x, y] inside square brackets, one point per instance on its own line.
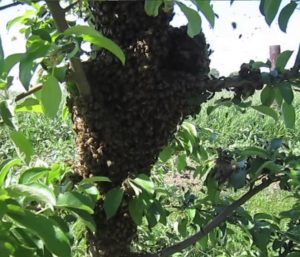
[276, 143]
[267, 111]
[182, 227]
[152, 7]
[33, 174]
[151, 219]
[191, 213]
[282, 59]
[37, 49]
[38, 192]
[289, 115]
[190, 128]
[206, 8]
[60, 73]
[22, 144]
[135, 188]
[286, 92]
[20, 19]
[257, 65]
[194, 19]
[213, 192]
[263, 216]
[294, 254]
[294, 233]
[85, 217]
[202, 152]
[94, 179]
[2, 211]
[144, 182]
[136, 210]
[29, 105]
[187, 140]
[76, 200]
[1, 57]
[27, 68]
[43, 34]
[261, 7]
[261, 238]
[155, 214]
[181, 162]
[238, 178]
[24, 252]
[7, 115]
[56, 173]
[285, 15]
[6, 249]
[44, 227]
[278, 96]
[210, 109]
[10, 61]
[267, 95]
[166, 153]
[91, 35]
[254, 151]
[5, 168]
[112, 201]
[257, 168]
[271, 8]
[51, 97]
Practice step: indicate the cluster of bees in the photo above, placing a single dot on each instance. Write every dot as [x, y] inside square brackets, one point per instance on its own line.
[135, 109]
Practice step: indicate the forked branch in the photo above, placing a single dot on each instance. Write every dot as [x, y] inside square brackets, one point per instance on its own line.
[58, 14]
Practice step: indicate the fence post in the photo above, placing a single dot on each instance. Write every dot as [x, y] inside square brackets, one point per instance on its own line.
[274, 52]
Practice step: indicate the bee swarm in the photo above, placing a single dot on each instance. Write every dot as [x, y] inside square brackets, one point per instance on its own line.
[134, 110]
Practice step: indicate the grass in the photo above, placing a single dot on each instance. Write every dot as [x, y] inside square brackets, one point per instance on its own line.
[236, 129]
[272, 201]
[53, 140]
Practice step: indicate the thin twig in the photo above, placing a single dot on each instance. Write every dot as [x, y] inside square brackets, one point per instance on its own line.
[79, 76]
[10, 5]
[16, 4]
[29, 92]
[229, 83]
[168, 251]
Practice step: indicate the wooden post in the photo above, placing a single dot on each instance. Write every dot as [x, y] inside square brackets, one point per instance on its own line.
[274, 52]
[297, 61]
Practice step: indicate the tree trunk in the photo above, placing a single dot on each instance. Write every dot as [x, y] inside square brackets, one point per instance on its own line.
[134, 110]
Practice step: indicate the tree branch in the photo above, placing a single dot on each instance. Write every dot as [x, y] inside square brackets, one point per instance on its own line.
[79, 76]
[220, 218]
[29, 92]
[10, 5]
[236, 82]
[16, 4]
